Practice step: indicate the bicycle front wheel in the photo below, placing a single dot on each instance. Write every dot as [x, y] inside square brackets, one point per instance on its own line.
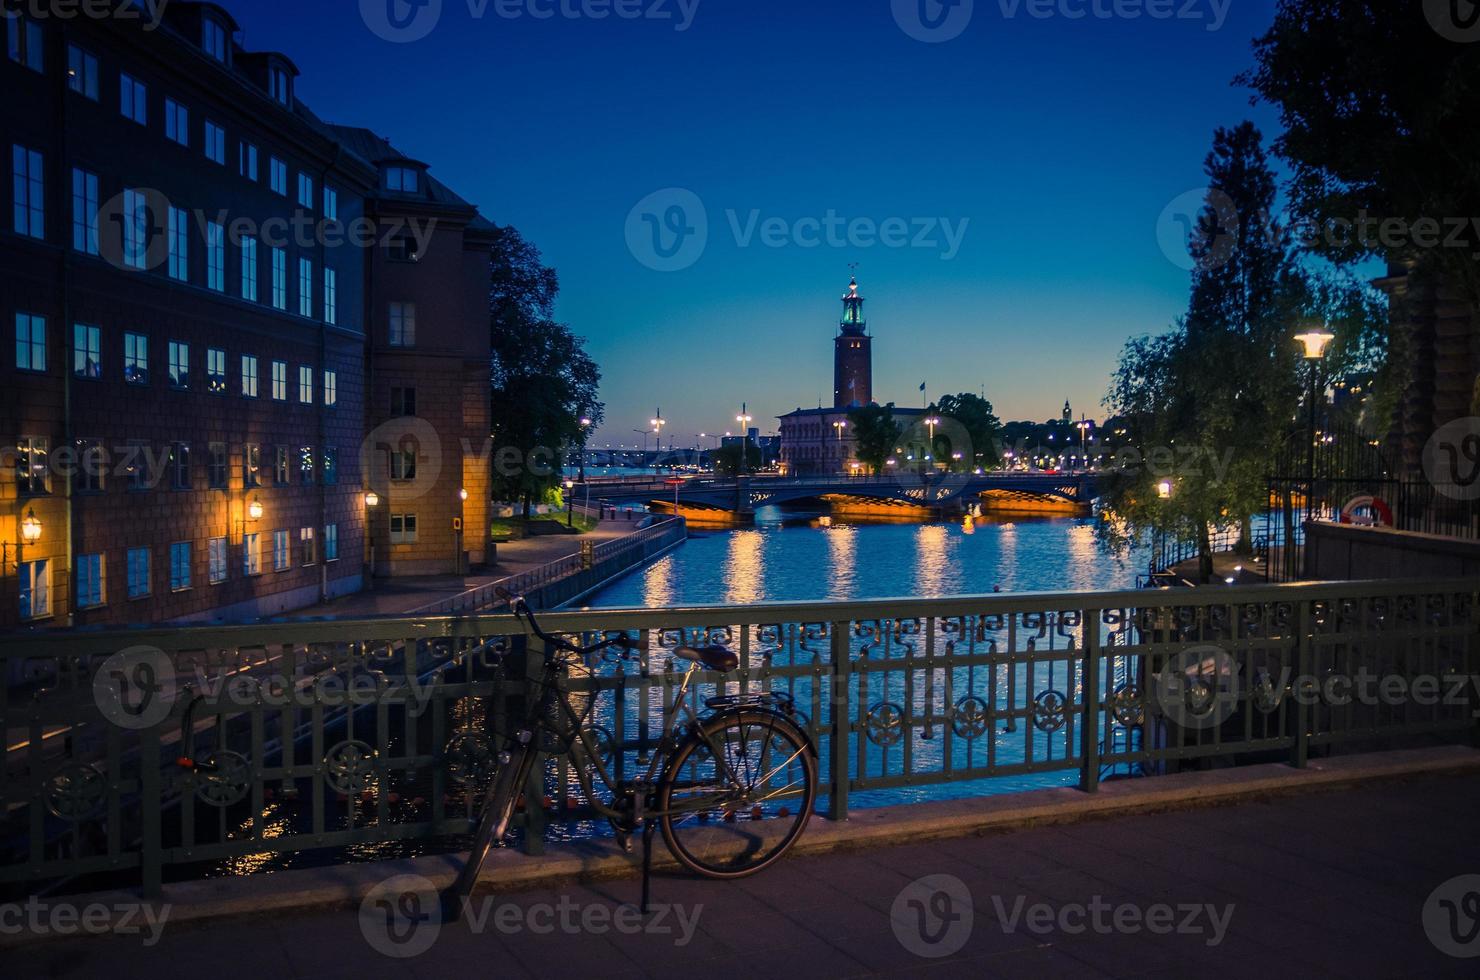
[738, 795]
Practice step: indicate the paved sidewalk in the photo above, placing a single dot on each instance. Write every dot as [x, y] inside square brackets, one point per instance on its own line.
[1328, 884]
[400, 596]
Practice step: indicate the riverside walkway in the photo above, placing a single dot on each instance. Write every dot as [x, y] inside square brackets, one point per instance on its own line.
[1338, 883]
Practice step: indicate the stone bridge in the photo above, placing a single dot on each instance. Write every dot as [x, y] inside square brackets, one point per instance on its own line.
[943, 491]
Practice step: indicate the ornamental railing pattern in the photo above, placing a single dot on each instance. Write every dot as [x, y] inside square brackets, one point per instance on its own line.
[376, 736]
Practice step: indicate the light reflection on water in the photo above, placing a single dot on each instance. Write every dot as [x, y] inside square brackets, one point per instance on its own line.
[789, 561]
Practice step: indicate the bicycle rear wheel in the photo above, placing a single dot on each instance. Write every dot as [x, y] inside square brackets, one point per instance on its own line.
[738, 795]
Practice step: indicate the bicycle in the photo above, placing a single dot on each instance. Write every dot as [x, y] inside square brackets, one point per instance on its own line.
[732, 789]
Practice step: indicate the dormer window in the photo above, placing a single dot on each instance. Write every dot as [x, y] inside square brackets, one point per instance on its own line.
[213, 40]
[280, 86]
[403, 179]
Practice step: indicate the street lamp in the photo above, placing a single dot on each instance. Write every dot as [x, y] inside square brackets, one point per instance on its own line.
[372, 501]
[30, 527]
[1314, 341]
[570, 503]
[254, 510]
[1164, 489]
[744, 419]
[585, 424]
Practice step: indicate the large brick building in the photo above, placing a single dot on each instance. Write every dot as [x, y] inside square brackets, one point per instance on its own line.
[208, 287]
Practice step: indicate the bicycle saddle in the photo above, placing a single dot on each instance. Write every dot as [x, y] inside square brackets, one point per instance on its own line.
[715, 658]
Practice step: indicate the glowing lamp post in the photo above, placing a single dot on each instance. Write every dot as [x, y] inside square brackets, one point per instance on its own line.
[744, 419]
[1314, 343]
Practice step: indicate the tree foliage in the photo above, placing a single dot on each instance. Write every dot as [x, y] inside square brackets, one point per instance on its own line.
[542, 380]
[982, 431]
[875, 433]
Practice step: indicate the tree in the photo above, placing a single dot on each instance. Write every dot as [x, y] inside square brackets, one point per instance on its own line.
[542, 380]
[1379, 109]
[1211, 400]
[875, 434]
[980, 426]
[727, 459]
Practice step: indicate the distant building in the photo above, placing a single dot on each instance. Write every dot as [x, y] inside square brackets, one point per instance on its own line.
[818, 440]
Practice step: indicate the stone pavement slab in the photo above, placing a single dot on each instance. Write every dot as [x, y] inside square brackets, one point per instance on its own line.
[1333, 884]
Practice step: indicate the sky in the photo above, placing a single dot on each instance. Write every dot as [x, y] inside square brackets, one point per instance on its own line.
[1005, 176]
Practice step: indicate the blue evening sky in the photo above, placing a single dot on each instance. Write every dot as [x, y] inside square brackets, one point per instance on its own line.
[1059, 142]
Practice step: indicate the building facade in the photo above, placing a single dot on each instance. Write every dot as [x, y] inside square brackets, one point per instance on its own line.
[216, 309]
[427, 454]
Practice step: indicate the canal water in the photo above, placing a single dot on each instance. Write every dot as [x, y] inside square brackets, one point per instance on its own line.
[792, 558]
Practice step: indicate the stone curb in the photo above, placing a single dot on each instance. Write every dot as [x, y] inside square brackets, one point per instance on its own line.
[511, 870]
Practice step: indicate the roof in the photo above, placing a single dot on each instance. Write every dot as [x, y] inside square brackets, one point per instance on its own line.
[898, 412]
[378, 150]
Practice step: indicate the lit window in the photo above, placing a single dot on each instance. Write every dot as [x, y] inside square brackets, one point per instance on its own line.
[249, 269]
[305, 465]
[179, 566]
[402, 179]
[30, 342]
[138, 573]
[135, 229]
[23, 41]
[89, 581]
[280, 466]
[35, 592]
[216, 256]
[331, 542]
[216, 555]
[305, 287]
[403, 529]
[82, 72]
[32, 469]
[85, 212]
[87, 352]
[252, 553]
[249, 376]
[403, 464]
[305, 191]
[331, 389]
[330, 468]
[135, 359]
[280, 279]
[213, 39]
[281, 551]
[277, 172]
[215, 370]
[215, 143]
[247, 161]
[176, 122]
[133, 98]
[308, 552]
[279, 381]
[331, 297]
[251, 465]
[29, 175]
[305, 385]
[331, 204]
[179, 245]
[403, 325]
[179, 464]
[179, 360]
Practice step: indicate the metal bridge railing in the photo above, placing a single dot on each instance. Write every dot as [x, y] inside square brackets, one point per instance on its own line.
[364, 734]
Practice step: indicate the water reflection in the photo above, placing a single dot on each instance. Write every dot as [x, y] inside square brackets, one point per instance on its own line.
[842, 545]
[931, 568]
[745, 568]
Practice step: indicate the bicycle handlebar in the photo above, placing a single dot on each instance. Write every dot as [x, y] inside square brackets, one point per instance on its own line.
[522, 610]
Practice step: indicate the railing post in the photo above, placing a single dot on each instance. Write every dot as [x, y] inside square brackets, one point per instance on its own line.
[1089, 775]
[151, 799]
[839, 667]
[1304, 656]
[534, 788]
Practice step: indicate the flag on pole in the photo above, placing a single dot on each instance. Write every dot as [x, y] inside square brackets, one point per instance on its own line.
[922, 386]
